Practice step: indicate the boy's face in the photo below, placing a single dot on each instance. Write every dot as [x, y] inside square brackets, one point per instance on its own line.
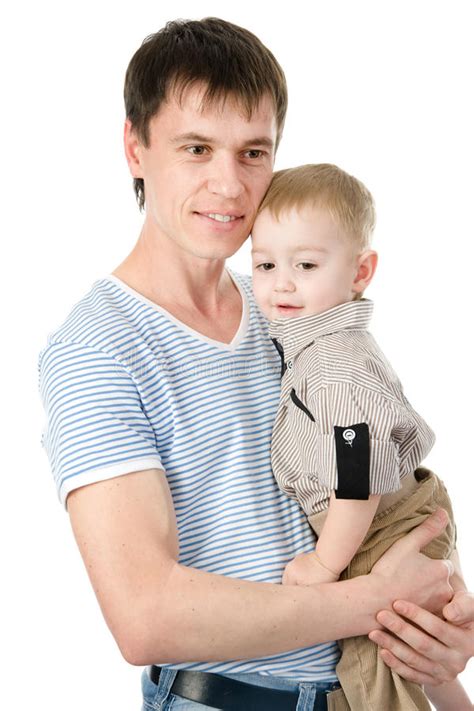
[303, 263]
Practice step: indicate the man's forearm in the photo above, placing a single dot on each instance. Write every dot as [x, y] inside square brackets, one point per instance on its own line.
[204, 617]
[201, 616]
[161, 611]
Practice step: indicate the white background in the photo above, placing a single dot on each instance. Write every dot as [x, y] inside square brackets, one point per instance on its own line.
[381, 88]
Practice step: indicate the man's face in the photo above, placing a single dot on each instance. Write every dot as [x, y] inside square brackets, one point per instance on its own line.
[205, 172]
[303, 263]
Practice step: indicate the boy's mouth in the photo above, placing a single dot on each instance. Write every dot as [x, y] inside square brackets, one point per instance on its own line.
[288, 307]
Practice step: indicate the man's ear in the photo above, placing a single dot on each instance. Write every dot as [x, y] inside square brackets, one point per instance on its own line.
[133, 150]
[366, 266]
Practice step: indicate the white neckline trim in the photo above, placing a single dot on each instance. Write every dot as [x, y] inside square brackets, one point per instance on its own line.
[239, 335]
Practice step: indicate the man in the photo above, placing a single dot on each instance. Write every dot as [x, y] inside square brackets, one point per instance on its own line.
[161, 389]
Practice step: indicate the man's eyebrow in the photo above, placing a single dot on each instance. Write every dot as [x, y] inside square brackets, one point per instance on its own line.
[264, 141]
[261, 141]
[194, 137]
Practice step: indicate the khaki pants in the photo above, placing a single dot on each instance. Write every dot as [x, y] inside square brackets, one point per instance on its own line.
[367, 683]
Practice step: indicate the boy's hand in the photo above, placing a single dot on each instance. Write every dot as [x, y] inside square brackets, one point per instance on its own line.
[306, 569]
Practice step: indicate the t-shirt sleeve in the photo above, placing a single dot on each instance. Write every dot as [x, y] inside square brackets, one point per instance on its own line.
[95, 427]
[358, 434]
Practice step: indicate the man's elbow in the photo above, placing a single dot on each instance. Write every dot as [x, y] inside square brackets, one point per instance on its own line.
[149, 635]
[140, 647]
[136, 654]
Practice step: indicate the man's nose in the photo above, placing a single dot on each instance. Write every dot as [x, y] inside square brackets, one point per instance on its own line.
[226, 178]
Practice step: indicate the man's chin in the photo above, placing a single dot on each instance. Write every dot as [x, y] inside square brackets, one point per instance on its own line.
[213, 254]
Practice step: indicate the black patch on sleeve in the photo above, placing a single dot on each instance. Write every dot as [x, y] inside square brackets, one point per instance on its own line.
[353, 461]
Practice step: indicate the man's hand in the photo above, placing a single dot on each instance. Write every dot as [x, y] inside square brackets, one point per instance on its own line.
[435, 650]
[403, 567]
[460, 611]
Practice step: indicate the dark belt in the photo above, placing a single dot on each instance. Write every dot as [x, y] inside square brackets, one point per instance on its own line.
[226, 694]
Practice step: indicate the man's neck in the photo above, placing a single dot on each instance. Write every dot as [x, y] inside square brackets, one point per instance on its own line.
[165, 273]
[197, 291]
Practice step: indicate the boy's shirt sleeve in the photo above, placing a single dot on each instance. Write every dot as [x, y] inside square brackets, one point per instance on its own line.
[354, 446]
[96, 427]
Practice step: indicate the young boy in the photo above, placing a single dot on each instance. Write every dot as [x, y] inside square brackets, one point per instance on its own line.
[346, 442]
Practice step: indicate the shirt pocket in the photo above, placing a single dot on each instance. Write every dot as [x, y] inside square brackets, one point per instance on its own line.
[305, 434]
[296, 401]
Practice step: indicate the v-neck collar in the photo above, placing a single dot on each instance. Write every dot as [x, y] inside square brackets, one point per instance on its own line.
[239, 334]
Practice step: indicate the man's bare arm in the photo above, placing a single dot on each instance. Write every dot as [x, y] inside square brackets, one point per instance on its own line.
[160, 611]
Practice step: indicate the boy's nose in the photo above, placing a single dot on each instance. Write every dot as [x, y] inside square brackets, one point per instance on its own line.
[284, 284]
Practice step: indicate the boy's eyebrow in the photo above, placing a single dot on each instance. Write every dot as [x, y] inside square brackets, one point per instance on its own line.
[301, 248]
[305, 248]
[264, 141]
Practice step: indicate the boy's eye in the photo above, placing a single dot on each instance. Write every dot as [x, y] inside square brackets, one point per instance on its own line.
[307, 266]
[265, 266]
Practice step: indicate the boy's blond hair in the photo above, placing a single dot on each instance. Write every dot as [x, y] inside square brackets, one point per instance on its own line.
[327, 186]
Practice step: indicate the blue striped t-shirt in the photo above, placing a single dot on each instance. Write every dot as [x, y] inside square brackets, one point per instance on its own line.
[127, 387]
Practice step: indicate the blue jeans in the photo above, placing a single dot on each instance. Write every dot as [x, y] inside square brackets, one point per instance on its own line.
[158, 697]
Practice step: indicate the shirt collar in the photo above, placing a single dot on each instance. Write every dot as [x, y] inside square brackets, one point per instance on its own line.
[294, 334]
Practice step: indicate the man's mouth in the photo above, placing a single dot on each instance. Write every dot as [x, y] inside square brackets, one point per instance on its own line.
[221, 218]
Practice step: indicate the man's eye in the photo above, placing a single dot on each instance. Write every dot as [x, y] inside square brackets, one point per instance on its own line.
[265, 266]
[196, 150]
[254, 153]
[307, 266]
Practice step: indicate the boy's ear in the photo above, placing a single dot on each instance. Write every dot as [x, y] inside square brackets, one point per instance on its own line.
[133, 150]
[366, 266]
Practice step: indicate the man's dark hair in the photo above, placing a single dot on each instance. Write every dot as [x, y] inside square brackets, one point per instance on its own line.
[227, 59]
